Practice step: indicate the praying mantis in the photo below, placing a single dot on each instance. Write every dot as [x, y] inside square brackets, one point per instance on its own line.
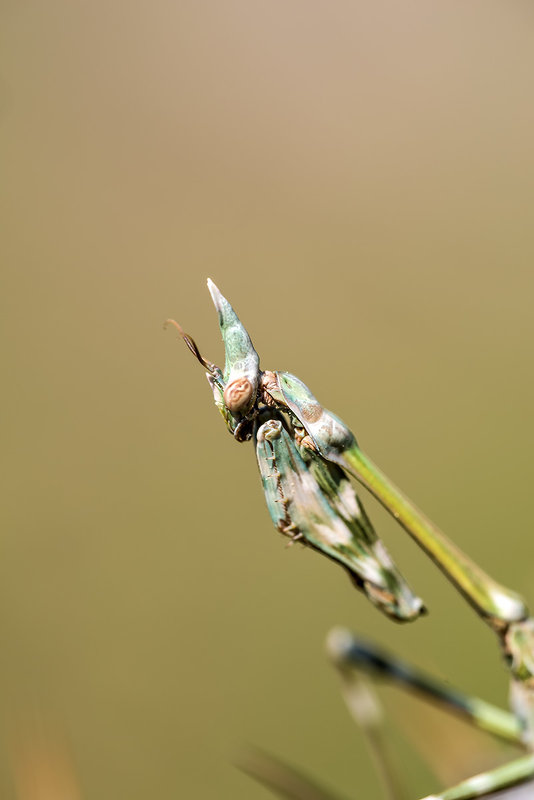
[305, 456]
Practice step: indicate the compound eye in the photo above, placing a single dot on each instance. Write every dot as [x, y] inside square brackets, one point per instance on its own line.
[239, 396]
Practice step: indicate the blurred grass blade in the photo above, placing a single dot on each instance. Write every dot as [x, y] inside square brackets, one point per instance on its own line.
[43, 768]
[281, 778]
[366, 710]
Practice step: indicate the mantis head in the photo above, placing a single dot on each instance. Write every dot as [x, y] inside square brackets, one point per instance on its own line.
[235, 390]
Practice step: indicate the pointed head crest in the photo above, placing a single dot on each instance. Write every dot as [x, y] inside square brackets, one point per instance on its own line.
[242, 364]
[235, 390]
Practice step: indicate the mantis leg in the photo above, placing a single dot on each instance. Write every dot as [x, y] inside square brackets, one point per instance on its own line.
[348, 651]
[335, 442]
[504, 610]
[495, 603]
[482, 785]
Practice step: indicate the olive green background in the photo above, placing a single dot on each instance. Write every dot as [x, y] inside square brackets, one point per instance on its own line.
[358, 179]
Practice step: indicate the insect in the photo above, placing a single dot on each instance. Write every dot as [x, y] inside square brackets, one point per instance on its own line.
[309, 498]
[305, 455]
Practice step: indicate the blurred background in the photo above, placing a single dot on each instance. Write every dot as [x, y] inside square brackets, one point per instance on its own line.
[358, 179]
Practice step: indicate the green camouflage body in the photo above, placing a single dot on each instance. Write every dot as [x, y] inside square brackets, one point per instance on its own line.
[304, 453]
[308, 496]
[259, 394]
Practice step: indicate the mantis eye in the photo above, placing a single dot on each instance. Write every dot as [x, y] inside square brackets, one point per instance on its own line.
[239, 396]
